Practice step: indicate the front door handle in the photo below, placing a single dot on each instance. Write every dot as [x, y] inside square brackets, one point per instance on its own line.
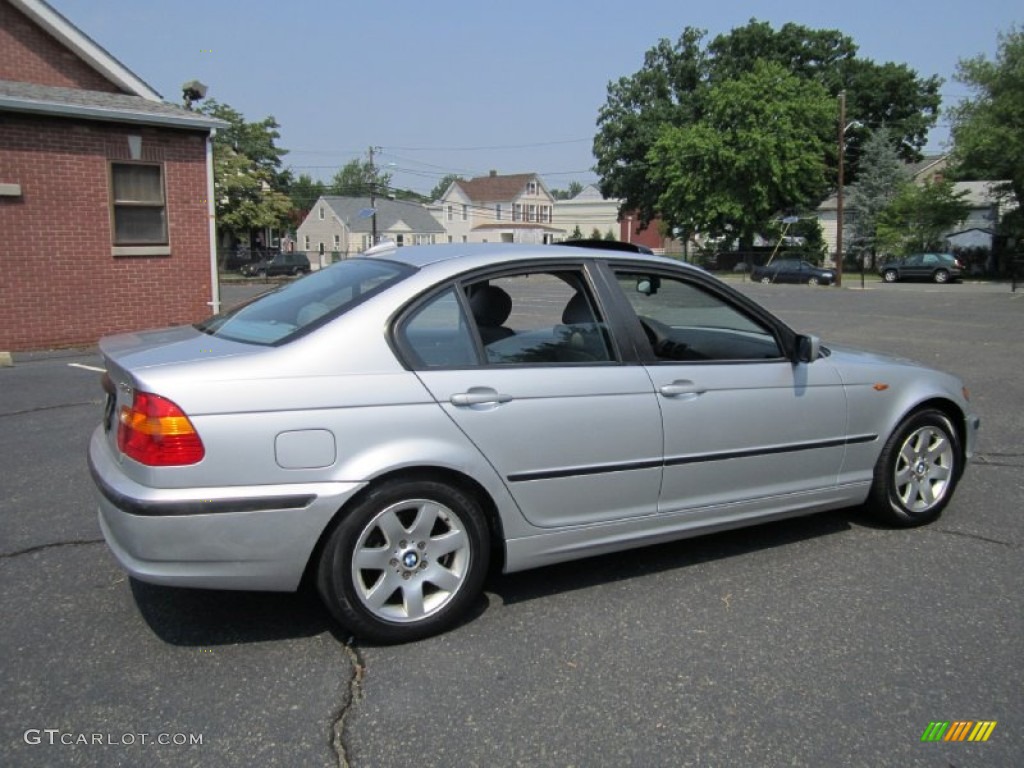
[681, 388]
[479, 396]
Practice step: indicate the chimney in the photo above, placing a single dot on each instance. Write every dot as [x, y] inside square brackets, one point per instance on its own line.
[493, 174]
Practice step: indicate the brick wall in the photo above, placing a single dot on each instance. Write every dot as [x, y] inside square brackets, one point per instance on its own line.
[59, 284]
[30, 55]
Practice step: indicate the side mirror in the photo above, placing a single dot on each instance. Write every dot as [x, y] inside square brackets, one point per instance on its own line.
[648, 286]
[808, 348]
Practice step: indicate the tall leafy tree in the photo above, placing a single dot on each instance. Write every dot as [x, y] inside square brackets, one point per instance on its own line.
[358, 178]
[882, 177]
[442, 186]
[918, 217]
[987, 129]
[248, 179]
[676, 79]
[569, 192]
[304, 191]
[758, 148]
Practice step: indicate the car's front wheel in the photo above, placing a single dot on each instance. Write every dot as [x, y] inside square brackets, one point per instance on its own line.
[766, 279]
[812, 280]
[917, 470]
[941, 276]
[405, 562]
[890, 276]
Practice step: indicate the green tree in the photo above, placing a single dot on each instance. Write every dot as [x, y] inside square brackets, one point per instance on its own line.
[918, 217]
[570, 192]
[595, 234]
[987, 134]
[247, 175]
[305, 191]
[882, 177]
[442, 186]
[674, 84]
[358, 178]
[758, 148]
[577, 233]
[610, 235]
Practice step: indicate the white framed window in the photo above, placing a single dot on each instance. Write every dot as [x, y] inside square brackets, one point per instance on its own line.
[138, 204]
[517, 212]
[531, 188]
[532, 212]
[337, 242]
[449, 213]
[321, 213]
[307, 243]
[465, 211]
[497, 212]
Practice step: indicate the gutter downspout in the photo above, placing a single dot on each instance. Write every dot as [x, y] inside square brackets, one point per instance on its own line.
[212, 216]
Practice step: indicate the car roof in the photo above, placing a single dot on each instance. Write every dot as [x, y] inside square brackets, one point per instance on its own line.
[487, 254]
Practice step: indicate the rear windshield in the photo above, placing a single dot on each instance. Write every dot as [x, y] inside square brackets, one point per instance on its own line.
[276, 317]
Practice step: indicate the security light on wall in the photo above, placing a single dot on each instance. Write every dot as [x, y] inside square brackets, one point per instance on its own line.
[192, 91]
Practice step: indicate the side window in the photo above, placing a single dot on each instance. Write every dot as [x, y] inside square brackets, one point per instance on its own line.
[437, 334]
[685, 323]
[538, 318]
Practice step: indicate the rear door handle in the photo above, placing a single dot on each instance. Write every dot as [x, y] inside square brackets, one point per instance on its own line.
[479, 396]
[681, 388]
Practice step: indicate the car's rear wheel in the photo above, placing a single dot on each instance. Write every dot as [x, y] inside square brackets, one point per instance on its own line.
[941, 276]
[812, 280]
[405, 562]
[917, 470]
[890, 276]
[766, 280]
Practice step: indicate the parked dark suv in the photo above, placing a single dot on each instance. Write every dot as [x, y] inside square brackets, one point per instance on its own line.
[937, 267]
[280, 264]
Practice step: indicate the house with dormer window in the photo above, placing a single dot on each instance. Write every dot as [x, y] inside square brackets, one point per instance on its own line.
[516, 208]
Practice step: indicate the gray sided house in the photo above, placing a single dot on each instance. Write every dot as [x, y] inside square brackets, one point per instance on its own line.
[339, 227]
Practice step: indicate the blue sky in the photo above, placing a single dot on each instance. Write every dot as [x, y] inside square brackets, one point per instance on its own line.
[466, 87]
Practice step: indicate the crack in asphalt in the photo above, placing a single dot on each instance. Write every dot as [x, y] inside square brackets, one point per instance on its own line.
[40, 408]
[978, 537]
[54, 545]
[355, 693]
[984, 460]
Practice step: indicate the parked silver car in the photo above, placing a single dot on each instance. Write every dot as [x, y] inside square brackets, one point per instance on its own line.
[390, 426]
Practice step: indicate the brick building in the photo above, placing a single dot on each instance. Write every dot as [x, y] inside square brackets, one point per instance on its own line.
[106, 214]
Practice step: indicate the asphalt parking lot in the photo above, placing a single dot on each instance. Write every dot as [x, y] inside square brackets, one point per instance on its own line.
[821, 641]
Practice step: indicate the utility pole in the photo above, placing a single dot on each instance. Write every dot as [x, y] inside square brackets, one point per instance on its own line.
[373, 200]
[839, 191]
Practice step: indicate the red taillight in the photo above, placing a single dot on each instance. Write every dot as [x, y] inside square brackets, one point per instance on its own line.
[156, 432]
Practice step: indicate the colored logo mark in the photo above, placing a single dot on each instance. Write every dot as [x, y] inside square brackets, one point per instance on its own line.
[959, 730]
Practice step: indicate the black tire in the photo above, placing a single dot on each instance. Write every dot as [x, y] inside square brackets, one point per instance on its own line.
[765, 279]
[917, 471]
[941, 276]
[812, 280]
[432, 545]
[890, 276]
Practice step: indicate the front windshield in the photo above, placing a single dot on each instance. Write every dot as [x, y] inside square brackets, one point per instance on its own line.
[276, 317]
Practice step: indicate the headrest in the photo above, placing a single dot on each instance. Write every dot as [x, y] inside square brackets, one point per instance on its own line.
[491, 305]
[577, 311]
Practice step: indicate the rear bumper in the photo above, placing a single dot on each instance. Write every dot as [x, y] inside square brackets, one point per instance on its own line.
[253, 538]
